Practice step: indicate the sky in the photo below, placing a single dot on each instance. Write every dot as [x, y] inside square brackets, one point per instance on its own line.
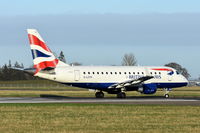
[100, 32]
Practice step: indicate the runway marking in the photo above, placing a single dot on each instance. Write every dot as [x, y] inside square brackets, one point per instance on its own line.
[94, 100]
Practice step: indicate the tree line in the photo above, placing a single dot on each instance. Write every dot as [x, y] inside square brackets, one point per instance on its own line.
[7, 73]
[130, 60]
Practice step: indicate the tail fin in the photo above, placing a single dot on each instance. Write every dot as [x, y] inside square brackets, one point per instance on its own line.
[43, 57]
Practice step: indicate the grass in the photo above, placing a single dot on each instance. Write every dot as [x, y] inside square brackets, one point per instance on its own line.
[35, 93]
[35, 88]
[98, 118]
[78, 92]
[35, 85]
[188, 88]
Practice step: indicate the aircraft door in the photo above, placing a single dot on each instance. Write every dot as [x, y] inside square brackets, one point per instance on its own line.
[147, 72]
[76, 75]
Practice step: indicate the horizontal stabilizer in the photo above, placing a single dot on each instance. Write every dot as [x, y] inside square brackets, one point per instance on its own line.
[30, 71]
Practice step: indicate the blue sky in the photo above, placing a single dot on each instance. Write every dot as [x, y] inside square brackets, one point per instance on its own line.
[38, 7]
[100, 32]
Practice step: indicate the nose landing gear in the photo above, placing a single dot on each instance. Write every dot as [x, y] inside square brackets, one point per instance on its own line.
[167, 90]
[166, 95]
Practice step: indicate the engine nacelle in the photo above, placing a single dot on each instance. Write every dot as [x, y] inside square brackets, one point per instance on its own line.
[148, 89]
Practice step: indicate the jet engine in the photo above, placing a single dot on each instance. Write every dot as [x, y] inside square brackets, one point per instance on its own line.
[148, 89]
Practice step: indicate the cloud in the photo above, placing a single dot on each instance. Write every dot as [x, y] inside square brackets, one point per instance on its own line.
[105, 29]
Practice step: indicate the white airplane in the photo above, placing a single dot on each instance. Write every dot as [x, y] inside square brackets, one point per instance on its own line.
[110, 79]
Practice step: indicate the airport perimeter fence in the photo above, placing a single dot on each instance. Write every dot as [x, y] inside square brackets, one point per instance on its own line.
[31, 85]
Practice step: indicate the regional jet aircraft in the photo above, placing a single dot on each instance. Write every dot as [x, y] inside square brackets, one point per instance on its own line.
[111, 79]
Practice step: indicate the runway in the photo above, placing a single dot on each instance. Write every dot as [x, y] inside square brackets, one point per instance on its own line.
[145, 101]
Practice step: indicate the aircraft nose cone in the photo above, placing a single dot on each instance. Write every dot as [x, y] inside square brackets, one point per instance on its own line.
[185, 81]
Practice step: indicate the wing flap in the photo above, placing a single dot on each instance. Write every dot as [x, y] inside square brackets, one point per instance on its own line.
[135, 82]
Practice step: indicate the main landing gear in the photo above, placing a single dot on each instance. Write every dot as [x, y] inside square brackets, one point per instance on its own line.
[122, 94]
[99, 94]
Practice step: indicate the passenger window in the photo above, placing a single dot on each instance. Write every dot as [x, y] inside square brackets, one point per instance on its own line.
[97, 72]
[101, 72]
[120, 73]
[142, 72]
[84, 73]
[155, 73]
[129, 72]
[106, 72]
[124, 72]
[115, 72]
[177, 73]
[110, 72]
[88, 72]
[134, 73]
[159, 72]
[138, 73]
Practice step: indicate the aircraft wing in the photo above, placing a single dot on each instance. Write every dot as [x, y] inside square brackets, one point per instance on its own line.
[135, 82]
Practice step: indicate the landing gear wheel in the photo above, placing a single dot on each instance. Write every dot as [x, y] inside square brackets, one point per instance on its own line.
[99, 95]
[166, 95]
[167, 90]
[121, 95]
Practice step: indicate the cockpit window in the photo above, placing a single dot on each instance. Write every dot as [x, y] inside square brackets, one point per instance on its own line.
[177, 73]
[171, 73]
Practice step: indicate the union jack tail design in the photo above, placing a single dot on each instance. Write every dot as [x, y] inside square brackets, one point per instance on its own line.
[42, 55]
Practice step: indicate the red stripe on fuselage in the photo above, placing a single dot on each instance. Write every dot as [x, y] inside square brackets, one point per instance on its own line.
[162, 69]
[36, 41]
